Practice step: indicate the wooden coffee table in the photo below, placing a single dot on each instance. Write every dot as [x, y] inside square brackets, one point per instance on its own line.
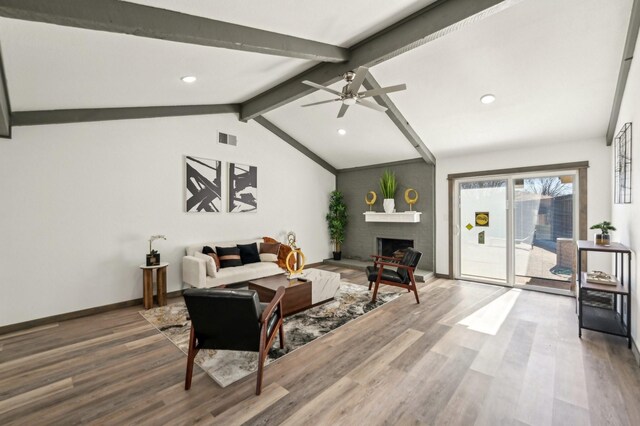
[297, 296]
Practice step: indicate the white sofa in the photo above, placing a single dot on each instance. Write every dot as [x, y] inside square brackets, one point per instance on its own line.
[194, 271]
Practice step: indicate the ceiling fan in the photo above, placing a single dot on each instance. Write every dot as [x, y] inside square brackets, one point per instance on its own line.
[350, 95]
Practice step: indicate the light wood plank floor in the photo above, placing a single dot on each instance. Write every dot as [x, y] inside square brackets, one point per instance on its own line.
[401, 364]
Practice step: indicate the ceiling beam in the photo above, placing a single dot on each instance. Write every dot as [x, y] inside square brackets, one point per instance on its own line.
[59, 116]
[398, 119]
[5, 105]
[146, 21]
[430, 23]
[294, 143]
[625, 66]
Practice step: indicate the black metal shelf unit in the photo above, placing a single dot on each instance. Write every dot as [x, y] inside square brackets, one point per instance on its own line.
[605, 308]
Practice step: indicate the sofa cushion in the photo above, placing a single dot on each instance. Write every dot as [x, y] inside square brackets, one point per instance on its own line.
[242, 273]
[211, 252]
[211, 266]
[229, 257]
[249, 253]
[268, 257]
[282, 254]
[270, 248]
[216, 260]
[192, 248]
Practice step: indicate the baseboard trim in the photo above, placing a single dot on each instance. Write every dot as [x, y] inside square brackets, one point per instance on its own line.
[77, 314]
[635, 352]
[444, 276]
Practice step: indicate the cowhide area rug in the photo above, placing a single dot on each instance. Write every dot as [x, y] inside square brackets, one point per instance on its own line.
[227, 367]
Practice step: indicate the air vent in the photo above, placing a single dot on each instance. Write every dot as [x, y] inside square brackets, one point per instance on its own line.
[227, 139]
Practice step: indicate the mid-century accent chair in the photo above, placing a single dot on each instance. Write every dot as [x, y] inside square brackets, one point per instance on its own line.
[403, 277]
[232, 320]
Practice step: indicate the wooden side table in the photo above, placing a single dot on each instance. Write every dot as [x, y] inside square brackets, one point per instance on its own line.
[147, 284]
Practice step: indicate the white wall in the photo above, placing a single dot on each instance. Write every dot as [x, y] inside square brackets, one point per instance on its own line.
[78, 203]
[598, 193]
[626, 217]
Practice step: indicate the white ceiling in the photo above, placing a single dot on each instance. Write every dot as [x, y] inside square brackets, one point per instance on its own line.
[337, 22]
[553, 65]
[55, 67]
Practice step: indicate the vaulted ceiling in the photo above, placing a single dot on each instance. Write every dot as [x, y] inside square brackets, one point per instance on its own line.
[552, 64]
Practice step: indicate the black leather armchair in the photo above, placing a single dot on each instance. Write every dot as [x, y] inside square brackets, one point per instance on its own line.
[402, 277]
[232, 320]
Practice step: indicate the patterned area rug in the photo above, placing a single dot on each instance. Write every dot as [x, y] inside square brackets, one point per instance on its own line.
[226, 367]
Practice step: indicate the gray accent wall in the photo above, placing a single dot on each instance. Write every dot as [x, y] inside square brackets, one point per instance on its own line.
[361, 236]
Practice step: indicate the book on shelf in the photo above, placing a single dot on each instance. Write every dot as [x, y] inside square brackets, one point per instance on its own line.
[599, 277]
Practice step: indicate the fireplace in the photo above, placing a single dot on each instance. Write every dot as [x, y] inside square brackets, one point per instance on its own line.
[393, 247]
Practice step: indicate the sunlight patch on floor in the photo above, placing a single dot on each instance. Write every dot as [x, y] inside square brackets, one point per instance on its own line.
[489, 318]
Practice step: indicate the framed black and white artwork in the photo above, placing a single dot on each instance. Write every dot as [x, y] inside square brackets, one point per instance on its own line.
[203, 191]
[243, 188]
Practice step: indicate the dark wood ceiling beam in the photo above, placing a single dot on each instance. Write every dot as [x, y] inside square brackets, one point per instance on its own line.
[295, 144]
[59, 116]
[625, 66]
[399, 120]
[5, 105]
[430, 23]
[145, 21]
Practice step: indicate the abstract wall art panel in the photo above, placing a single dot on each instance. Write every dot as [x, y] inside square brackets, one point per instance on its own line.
[243, 188]
[203, 192]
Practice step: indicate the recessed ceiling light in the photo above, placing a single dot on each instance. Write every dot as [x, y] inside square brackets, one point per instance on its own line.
[189, 78]
[342, 132]
[488, 99]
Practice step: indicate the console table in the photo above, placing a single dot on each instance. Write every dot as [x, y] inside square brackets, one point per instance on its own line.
[611, 316]
[147, 284]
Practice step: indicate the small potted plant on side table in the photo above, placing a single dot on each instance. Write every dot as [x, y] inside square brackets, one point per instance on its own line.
[603, 238]
[153, 258]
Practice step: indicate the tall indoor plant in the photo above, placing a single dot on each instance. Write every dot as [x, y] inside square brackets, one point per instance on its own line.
[603, 238]
[388, 186]
[337, 222]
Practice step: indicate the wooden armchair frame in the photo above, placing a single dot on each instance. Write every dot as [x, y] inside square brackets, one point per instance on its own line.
[395, 263]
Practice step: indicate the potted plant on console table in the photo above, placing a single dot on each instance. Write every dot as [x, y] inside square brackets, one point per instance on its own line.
[603, 238]
[388, 186]
[337, 222]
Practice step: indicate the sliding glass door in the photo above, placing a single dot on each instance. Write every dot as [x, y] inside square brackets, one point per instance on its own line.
[544, 230]
[483, 230]
[516, 230]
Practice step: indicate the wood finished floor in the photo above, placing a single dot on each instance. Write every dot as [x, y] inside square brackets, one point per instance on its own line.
[401, 364]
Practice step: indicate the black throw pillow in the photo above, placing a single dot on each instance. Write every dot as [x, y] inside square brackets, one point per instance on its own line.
[229, 256]
[249, 253]
[207, 250]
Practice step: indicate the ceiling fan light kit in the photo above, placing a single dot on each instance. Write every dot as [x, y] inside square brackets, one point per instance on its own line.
[350, 96]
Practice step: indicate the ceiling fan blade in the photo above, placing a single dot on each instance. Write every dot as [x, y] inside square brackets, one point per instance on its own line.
[321, 87]
[361, 73]
[343, 110]
[371, 105]
[321, 102]
[382, 90]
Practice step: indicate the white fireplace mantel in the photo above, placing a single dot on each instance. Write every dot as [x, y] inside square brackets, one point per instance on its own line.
[402, 217]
